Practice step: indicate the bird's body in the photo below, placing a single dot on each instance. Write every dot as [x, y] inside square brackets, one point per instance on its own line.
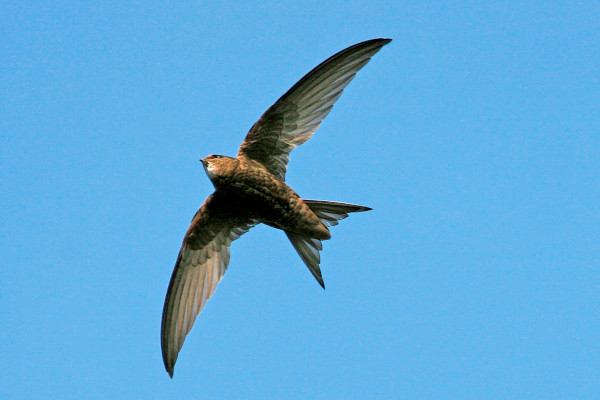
[251, 193]
[250, 189]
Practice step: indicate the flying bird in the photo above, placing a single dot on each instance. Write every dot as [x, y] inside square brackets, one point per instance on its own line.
[250, 189]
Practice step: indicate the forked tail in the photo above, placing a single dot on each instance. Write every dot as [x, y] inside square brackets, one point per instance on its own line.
[308, 248]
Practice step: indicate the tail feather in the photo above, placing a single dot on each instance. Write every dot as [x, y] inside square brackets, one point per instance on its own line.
[330, 212]
[308, 248]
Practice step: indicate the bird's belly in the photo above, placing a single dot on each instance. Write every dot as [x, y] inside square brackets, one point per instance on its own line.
[275, 204]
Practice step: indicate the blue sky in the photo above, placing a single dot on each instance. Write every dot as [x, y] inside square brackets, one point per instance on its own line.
[473, 136]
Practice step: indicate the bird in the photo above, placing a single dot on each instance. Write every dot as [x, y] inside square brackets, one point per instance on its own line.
[250, 189]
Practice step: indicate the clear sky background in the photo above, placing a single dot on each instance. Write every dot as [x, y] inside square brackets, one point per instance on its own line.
[474, 136]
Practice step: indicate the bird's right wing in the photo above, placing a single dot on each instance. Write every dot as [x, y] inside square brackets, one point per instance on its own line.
[202, 261]
[293, 118]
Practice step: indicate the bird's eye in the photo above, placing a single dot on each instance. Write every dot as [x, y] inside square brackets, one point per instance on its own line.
[217, 156]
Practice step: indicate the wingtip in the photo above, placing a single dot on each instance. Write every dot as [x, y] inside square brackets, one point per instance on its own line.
[383, 41]
[319, 279]
[375, 44]
[170, 368]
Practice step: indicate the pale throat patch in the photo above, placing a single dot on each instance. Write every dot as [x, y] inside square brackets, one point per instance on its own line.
[211, 170]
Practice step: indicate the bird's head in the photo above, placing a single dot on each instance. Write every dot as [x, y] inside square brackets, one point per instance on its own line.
[217, 166]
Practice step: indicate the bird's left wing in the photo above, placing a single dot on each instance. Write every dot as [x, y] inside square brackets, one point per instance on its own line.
[293, 118]
[202, 261]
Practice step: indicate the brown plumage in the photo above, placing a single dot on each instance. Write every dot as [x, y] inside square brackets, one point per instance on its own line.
[251, 189]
